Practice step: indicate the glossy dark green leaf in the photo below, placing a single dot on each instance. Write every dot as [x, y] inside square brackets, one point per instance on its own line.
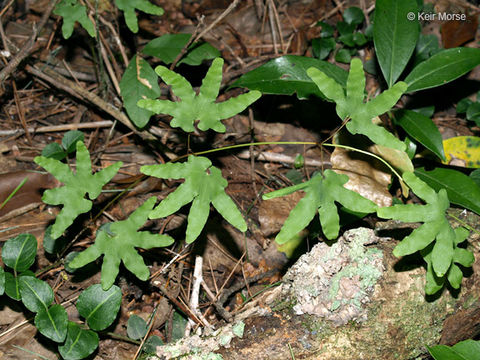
[427, 45]
[443, 67]
[54, 151]
[288, 74]
[139, 81]
[2, 280]
[473, 113]
[178, 326]
[70, 139]
[345, 28]
[150, 346]
[347, 40]
[52, 323]
[36, 294]
[359, 39]
[343, 56]
[51, 245]
[422, 129]
[353, 15]
[99, 307]
[168, 46]
[136, 327]
[427, 111]
[19, 253]
[79, 343]
[199, 52]
[394, 36]
[70, 256]
[461, 189]
[12, 287]
[462, 105]
[327, 29]
[322, 47]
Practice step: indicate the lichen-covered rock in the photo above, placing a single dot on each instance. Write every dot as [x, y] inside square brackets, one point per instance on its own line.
[336, 281]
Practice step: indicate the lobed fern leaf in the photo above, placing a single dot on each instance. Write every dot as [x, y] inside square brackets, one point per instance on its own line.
[352, 103]
[77, 185]
[321, 192]
[198, 107]
[203, 185]
[72, 11]
[441, 255]
[128, 7]
[119, 243]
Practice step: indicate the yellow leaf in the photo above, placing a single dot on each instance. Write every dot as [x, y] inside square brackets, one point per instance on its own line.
[462, 151]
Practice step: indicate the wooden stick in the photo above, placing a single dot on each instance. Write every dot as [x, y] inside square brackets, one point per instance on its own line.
[53, 128]
[73, 89]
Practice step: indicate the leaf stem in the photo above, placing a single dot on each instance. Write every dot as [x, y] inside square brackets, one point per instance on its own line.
[12, 194]
[291, 143]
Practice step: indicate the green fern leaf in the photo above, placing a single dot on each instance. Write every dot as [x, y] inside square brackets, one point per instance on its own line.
[119, 243]
[203, 185]
[72, 195]
[440, 255]
[198, 107]
[352, 103]
[128, 7]
[321, 192]
[72, 11]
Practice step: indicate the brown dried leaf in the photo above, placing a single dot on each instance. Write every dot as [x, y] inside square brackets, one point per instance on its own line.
[367, 176]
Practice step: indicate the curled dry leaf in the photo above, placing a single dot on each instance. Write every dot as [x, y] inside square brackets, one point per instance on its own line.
[367, 176]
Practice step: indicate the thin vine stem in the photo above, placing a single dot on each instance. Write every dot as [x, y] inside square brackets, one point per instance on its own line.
[291, 143]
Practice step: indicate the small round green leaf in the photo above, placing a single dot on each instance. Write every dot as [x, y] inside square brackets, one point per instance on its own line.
[322, 47]
[136, 327]
[343, 56]
[463, 105]
[327, 29]
[12, 288]
[52, 323]
[79, 343]
[19, 253]
[353, 15]
[150, 346]
[54, 151]
[347, 40]
[99, 307]
[344, 28]
[473, 113]
[51, 245]
[359, 39]
[70, 139]
[70, 256]
[36, 294]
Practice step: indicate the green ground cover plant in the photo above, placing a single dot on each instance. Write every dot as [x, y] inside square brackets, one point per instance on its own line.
[397, 43]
